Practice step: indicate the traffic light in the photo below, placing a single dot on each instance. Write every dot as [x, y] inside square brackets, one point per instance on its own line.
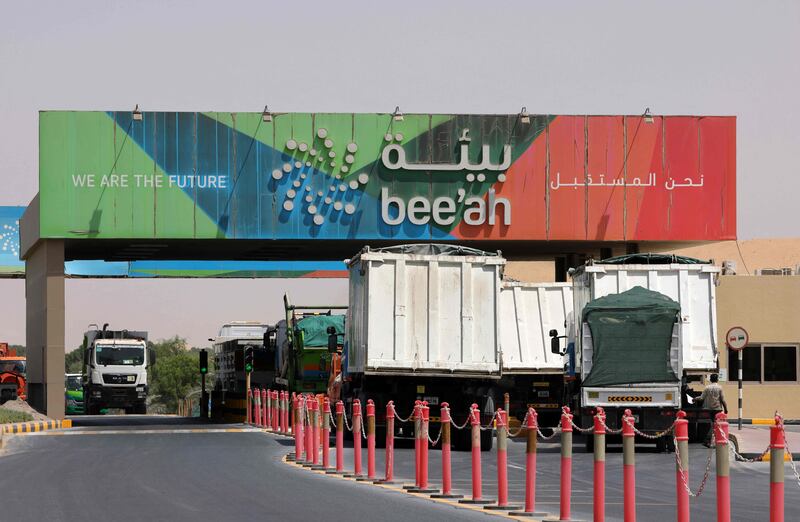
[203, 361]
[248, 359]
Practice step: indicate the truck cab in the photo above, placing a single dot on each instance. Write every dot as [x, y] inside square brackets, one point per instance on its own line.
[12, 374]
[73, 393]
[115, 371]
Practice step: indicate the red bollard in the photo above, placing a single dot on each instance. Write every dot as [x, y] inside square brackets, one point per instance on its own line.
[502, 463]
[370, 441]
[423, 445]
[532, 430]
[339, 437]
[776, 448]
[628, 467]
[248, 399]
[416, 417]
[309, 429]
[356, 419]
[723, 466]
[268, 410]
[599, 484]
[265, 396]
[475, 422]
[299, 438]
[389, 474]
[447, 480]
[326, 433]
[257, 406]
[256, 403]
[275, 411]
[315, 433]
[269, 417]
[285, 416]
[682, 465]
[566, 464]
[423, 412]
[291, 420]
[296, 442]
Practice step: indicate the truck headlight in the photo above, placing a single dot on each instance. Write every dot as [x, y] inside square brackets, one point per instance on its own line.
[140, 388]
[97, 393]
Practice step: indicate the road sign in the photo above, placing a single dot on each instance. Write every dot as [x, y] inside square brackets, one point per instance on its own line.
[737, 338]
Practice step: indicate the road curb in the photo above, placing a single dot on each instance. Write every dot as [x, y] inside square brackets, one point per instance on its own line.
[34, 426]
[377, 484]
[759, 421]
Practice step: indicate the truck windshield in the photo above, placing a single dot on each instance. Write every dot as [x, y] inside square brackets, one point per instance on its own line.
[74, 383]
[12, 366]
[119, 355]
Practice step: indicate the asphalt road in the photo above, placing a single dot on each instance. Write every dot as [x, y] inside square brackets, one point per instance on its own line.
[165, 468]
[119, 472]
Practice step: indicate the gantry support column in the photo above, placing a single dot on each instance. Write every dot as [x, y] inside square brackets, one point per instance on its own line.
[44, 330]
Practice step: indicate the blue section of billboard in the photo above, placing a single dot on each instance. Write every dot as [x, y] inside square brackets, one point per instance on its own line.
[12, 266]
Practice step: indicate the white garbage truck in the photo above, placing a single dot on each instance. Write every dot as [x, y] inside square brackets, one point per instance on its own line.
[643, 327]
[438, 323]
[115, 370]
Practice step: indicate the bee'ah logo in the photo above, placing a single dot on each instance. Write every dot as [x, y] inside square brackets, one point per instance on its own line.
[9, 238]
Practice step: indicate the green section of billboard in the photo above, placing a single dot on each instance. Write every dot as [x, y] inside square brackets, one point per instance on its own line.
[88, 185]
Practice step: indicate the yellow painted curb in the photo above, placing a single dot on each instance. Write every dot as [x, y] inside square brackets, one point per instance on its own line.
[768, 457]
[764, 422]
[35, 426]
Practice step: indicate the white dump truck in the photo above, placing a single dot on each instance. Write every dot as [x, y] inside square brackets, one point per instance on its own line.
[532, 374]
[115, 370]
[642, 328]
[438, 323]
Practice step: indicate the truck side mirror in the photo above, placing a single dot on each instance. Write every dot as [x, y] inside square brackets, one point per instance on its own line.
[333, 340]
[555, 346]
[151, 357]
[86, 356]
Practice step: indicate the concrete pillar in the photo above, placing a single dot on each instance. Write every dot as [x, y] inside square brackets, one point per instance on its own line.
[44, 331]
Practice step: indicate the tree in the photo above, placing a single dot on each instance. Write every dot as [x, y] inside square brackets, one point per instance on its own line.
[73, 361]
[175, 374]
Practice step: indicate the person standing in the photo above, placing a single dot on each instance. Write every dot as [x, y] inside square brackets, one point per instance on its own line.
[713, 400]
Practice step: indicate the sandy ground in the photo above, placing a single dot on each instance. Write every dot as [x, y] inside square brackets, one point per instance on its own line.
[20, 405]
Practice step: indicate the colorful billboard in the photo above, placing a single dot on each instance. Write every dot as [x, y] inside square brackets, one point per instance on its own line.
[383, 177]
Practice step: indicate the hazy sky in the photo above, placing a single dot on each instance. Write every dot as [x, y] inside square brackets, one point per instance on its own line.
[728, 57]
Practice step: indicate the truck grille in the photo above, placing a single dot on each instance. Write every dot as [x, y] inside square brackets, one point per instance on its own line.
[118, 378]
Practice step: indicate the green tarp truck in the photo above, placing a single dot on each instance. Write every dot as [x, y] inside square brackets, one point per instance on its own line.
[643, 326]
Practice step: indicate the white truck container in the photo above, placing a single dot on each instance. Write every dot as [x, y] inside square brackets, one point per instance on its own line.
[693, 286]
[692, 349]
[528, 311]
[424, 313]
[423, 324]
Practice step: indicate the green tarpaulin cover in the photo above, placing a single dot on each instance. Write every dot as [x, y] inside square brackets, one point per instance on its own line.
[315, 329]
[631, 335]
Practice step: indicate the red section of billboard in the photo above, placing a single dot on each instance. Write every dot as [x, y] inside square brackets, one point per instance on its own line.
[623, 178]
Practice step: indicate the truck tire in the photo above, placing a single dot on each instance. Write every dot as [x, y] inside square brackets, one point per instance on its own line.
[91, 408]
[140, 409]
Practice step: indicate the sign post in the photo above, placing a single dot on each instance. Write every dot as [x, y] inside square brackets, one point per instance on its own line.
[737, 339]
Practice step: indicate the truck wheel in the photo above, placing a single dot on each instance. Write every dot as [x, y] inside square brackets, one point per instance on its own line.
[588, 443]
[141, 409]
